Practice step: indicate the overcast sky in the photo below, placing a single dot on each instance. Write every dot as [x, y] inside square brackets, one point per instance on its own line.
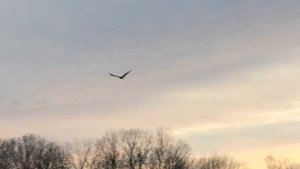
[224, 75]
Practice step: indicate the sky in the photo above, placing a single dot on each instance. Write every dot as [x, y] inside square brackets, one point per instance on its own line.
[222, 74]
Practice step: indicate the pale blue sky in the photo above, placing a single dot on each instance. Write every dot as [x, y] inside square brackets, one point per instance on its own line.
[215, 71]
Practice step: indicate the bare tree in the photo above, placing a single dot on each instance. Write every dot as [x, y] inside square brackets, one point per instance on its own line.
[31, 152]
[136, 145]
[216, 162]
[273, 163]
[162, 143]
[137, 149]
[108, 152]
[168, 154]
[178, 156]
[82, 155]
[5, 154]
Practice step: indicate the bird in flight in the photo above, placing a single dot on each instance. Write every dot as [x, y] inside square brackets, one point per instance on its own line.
[121, 77]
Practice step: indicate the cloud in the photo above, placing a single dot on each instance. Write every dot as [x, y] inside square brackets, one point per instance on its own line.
[198, 67]
[236, 138]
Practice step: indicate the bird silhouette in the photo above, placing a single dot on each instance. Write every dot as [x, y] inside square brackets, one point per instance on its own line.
[121, 77]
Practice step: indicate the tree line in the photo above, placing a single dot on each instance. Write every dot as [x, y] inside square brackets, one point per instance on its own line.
[123, 149]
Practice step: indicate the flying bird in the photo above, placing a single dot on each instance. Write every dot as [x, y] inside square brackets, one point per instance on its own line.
[121, 77]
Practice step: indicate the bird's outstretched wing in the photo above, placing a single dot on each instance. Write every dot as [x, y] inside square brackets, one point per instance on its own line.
[125, 74]
[114, 75]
